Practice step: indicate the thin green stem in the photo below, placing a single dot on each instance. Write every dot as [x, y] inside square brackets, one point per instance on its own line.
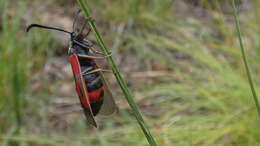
[120, 80]
[245, 58]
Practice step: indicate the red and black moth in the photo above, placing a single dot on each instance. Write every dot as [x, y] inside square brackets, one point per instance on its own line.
[91, 87]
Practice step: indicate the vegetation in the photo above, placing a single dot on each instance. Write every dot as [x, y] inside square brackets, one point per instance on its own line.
[250, 80]
[182, 62]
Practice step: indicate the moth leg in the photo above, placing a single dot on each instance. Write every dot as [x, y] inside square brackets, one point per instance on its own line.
[94, 50]
[96, 70]
[89, 30]
[94, 57]
[90, 19]
[99, 52]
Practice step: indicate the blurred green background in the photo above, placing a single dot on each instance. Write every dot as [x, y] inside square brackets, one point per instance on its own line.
[180, 58]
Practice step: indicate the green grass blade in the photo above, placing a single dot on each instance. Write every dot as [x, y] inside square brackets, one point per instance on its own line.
[245, 58]
[122, 83]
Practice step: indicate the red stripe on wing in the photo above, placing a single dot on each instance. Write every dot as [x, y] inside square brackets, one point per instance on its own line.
[77, 75]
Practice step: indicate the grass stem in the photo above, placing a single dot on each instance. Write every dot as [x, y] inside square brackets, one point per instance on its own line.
[121, 82]
[244, 57]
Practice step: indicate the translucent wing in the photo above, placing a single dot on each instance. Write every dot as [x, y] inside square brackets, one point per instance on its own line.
[109, 106]
[80, 25]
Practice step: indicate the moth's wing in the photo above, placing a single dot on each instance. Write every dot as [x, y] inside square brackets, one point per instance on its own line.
[80, 24]
[89, 117]
[109, 106]
[82, 90]
[87, 110]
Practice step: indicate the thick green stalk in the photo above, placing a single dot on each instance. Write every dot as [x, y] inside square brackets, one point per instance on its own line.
[245, 58]
[121, 82]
